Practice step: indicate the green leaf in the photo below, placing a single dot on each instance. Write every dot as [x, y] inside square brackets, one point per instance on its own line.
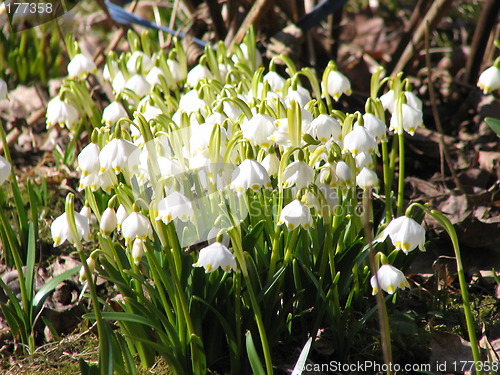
[301, 362]
[253, 357]
[251, 238]
[50, 286]
[494, 124]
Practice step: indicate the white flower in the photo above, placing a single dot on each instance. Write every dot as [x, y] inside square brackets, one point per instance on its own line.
[389, 101]
[60, 229]
[191, 102]
[3, 89]
[81, 66]
[176, 70]
[115, 155]
[88, 159]
[258, 129]
[109, 71]
[295, 214]
[175, 205]
[5, 169]
[301, 97]
[343, 172]
[95, 180]
[412, 119]
[136, 225]
[489, 80]
[62, 113]
[324, 128]
[249, 175]
[121, 215]
[337, 85]
[271, 163]
[119, 82]
[153, 77]
[364, 159]
[137, 251]
[108, 222]
[214, 256]
[389, 279]
[276, 82]
[138, 85]
[375, 126]
[91, 264]
[299, 174]
[366, 178]
[405, 233]
[198, 73]
[359, 140]
[113, 112]
[146, 63]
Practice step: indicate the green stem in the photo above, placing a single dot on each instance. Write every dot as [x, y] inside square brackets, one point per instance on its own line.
[469, 319]
[401, 174]
[387, 183]
[236, 241]
[291, 246]
[104, 354]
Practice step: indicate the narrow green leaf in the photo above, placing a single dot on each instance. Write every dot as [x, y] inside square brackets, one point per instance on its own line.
[494, 124]
[50, 286]
[301, 362]
[30, 262]
[253, 357]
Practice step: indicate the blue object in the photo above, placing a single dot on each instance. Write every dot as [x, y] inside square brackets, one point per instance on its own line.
[120, 15]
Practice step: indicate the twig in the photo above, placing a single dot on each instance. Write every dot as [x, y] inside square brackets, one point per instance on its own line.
[432, 17]
[216, 15]
[485, 24]
[443, 148]
[255, 14]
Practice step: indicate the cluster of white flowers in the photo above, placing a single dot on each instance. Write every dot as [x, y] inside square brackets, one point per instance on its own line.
[175, 136]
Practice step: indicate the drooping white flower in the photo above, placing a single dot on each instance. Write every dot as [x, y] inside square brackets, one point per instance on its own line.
[389, 279]
[88, 159]
[91, 265]
[176, 70]
[121, 215]
[3, 89]
[118, 83]
[60, 229]
[375, 126]
[301, 97]
[96, 180]
[138, 85]
[363, 160]
[405, 233]
[62, 113]
[338, 84]
[359, 140]
[281, 135]
[324, 128]
[412, 119]
[299, 174]
[295, 214]
[271, 163]
[250, 174]
[146, 63]
[137, 251]
[366, 178]
[153, 77]
[258, 129]
[198, 73]
[108, 222]
[5, 169]
[136, 225]
[389, 101]
[343, 172]
[191, 102]
[276, 82]
[81, 66]
[115, 155]
[489, 80]
[214, 256]
[173, 206]
[113, 112]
